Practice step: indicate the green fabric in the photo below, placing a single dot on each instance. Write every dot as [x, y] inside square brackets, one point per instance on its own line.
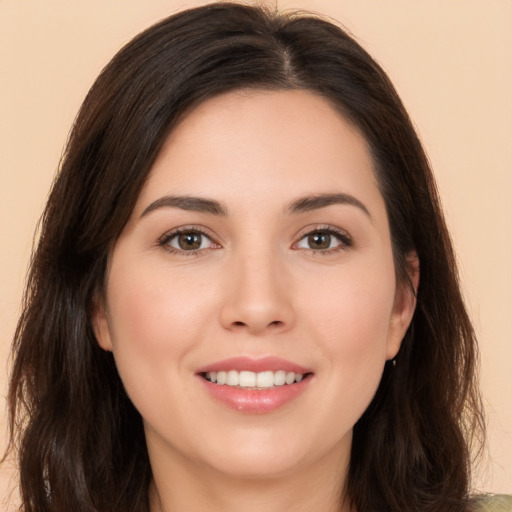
[496, 503]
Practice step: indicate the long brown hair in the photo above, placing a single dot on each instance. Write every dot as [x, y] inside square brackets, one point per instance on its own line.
[79, 440]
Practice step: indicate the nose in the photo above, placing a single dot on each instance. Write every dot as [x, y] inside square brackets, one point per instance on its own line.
[257, 298]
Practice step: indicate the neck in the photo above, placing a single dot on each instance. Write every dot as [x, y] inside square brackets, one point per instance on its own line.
[303, 490]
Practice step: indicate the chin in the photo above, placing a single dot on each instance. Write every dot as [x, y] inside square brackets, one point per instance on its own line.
[265, 466]
[275, 454]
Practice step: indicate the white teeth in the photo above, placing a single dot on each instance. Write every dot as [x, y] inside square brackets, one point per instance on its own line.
[290, 377]
[280, 378]
[245, 379]
[232, 379]
[265, 380]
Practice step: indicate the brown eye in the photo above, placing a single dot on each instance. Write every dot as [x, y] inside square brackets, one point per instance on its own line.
[324, 240]
[189, 241]
[319, 240]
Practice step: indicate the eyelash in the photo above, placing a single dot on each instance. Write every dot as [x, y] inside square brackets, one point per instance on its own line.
[342, 236]
[164, 240]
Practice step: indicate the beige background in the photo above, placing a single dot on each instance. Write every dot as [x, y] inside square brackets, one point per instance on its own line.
[451, 63]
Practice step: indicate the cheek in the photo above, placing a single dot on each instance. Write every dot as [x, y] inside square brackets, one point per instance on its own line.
[352, 320]
[354, 309]
[154, 328]
[153, 311]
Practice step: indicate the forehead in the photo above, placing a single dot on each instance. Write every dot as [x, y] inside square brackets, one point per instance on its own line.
[245, 146]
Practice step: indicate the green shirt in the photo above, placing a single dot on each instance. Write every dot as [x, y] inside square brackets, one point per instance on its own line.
[496, 503]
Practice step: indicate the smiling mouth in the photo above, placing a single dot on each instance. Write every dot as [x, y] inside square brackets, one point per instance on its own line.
[252, 380]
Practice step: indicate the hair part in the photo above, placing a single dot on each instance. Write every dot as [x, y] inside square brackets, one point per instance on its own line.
[79, 439]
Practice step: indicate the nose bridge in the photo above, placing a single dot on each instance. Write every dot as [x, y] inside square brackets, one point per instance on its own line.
[257, 295]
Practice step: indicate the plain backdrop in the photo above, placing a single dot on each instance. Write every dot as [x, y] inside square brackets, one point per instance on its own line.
[451, 63]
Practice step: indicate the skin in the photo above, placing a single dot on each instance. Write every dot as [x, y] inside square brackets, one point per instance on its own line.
[254, 288]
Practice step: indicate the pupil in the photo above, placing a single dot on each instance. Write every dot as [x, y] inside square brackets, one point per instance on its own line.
[319, 240]
[189, 241]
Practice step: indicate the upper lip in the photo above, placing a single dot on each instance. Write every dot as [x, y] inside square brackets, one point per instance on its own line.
[256, 365]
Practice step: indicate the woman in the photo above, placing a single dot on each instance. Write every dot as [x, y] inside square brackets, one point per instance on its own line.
[225, 308]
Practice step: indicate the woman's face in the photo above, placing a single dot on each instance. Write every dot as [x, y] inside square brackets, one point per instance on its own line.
[258, 253]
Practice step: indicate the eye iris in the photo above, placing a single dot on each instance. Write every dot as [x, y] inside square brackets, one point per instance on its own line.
[319, 240]
[189, 241]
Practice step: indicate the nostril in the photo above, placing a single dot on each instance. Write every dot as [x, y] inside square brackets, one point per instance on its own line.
[275, 323]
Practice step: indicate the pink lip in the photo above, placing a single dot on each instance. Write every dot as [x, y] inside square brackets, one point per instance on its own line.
[255, 401]
[256, 365]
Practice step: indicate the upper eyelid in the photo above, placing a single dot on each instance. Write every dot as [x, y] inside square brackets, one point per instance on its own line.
[188, 229]
[163, 241]
[322, 227]
[343, 236]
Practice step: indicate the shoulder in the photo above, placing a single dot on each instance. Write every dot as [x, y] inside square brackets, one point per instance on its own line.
[495, 503]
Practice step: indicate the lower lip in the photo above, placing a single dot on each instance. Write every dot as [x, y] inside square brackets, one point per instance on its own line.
[256, 401]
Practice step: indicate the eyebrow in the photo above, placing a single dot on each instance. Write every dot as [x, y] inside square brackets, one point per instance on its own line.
[317, 201]
[213, 207]
[196, 204]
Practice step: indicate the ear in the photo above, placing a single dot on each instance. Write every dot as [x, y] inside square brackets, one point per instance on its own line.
[404, 306]
[100, 323]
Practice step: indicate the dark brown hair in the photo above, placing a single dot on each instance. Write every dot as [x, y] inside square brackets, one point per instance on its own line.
[80, 441]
